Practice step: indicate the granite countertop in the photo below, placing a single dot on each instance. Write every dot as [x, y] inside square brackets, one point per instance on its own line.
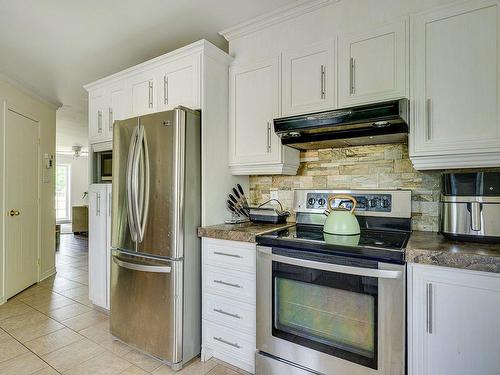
[433, 248]
[244, 232]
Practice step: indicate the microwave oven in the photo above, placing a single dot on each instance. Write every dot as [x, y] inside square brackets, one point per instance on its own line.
[104, 166]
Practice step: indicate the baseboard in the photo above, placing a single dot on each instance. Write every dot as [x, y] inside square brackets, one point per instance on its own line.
[2, 300]
[47, 274]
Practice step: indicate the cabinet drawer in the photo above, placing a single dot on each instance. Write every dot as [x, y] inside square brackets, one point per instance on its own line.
[233, 314]
[223, 339]
[231, 254]
[233, 284]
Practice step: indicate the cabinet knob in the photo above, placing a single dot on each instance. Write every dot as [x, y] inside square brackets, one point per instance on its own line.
[14, 213]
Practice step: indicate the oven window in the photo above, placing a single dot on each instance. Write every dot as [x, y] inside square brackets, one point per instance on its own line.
[107, 164]
[330, 312]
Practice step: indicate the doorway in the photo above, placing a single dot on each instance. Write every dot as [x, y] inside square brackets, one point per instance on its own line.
[21, 202]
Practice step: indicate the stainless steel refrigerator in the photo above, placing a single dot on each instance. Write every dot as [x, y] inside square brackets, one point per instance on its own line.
[155, 265]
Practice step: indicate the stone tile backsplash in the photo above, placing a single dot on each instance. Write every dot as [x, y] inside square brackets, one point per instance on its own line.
[363, 167]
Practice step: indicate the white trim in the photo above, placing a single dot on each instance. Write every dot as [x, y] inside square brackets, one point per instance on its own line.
[196, 47]
[264, 169]
[102, 146]
[47, 274]
[274, 17]
[460, 161]
[32, 93]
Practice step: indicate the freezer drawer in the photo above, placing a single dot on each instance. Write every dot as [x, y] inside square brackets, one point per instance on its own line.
[146, 304]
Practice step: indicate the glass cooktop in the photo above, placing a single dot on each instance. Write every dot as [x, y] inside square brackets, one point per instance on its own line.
[370, 243]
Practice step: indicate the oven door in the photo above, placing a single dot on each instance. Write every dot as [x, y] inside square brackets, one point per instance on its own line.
[333, 315]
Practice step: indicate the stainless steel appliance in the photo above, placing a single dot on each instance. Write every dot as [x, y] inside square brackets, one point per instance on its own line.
[363, 125]
[103, 166]
[334, 304]
[470, 206]
[155, 272]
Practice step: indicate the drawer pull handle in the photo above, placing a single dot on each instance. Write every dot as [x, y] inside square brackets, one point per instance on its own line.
[228, 314]
[228, 284]
[227, 255]
[234, 345]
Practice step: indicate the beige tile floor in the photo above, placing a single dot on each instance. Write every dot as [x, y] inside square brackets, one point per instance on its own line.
[52, 328]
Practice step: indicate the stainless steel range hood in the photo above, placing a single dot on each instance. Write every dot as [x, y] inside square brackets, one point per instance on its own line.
[364, 125]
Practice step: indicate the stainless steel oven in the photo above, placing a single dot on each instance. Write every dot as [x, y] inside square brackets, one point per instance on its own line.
[328, 314]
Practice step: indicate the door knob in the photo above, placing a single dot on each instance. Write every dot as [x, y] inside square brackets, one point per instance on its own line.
[14, 213]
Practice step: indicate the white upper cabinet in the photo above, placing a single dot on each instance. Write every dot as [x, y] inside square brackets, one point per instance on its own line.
[309, 79]
[116, 109]
[453, 321]
[372, 65]
[180, 83]
[97, 105]
[455, 98]
[254, 102]
[143, 93]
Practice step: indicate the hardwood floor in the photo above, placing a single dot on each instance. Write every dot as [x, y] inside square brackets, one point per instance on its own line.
[53, 328]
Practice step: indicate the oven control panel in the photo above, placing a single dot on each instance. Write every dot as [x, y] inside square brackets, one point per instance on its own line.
[371, 202]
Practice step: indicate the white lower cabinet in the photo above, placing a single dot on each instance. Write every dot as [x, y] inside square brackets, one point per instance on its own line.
[99, 244]
[453, 321]
[229, 302]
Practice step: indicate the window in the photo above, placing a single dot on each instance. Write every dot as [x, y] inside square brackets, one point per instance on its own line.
[62, 192]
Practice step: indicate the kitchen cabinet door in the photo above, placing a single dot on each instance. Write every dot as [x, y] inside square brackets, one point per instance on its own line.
[254, 101]
[115, 106]
[309, 79]
[372, 65]
[455, 98]
[97, 130]
[180, 83]
[453, 321]
[143, 92]
[98, 245]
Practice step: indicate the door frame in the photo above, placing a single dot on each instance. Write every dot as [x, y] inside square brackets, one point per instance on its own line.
[5, 106]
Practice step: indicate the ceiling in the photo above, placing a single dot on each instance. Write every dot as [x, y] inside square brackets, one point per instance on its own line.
[54, 47]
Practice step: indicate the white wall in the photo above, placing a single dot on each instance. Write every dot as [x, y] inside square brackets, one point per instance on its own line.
[79, 177]
[24, 102]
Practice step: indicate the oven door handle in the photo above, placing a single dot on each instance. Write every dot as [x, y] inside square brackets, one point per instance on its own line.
[359, 271]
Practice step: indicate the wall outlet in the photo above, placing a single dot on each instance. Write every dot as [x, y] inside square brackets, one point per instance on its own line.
[274, 194]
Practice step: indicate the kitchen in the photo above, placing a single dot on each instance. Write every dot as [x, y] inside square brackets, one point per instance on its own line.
[323, 198]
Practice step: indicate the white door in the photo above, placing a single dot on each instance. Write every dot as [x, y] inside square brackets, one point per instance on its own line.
[109, 203]
[116, 107]
[98, 239]
[97, 130]
[254, 103]
[143, 93]
[180, 80]
[455, 98]
[309, 79]
[372, 65]
[453, 323]
[21, 202]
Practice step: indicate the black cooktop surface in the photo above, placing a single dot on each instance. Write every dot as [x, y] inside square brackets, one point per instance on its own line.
[376, 244]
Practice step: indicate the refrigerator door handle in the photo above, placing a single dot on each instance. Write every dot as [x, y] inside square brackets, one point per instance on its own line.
[141, 267]
[136, 204]
[129, 186]
[144, 202]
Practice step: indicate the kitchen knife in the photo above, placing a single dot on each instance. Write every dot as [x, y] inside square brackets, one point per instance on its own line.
[242, 194]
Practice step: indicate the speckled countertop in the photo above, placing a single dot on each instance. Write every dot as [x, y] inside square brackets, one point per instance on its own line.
[433, 248]
[245, 232]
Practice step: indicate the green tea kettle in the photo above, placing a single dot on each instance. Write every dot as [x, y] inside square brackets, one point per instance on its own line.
[341, 221]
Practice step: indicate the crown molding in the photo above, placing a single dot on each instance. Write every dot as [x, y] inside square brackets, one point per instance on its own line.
[279, 15]
[202, 45]
[25, 89]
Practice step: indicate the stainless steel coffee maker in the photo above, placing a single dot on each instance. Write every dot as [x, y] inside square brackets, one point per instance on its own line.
[470, 206]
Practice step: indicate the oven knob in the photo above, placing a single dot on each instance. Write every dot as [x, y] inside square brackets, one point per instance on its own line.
[311, 201]
[373, 202]
[321, 201]
[386, 203]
